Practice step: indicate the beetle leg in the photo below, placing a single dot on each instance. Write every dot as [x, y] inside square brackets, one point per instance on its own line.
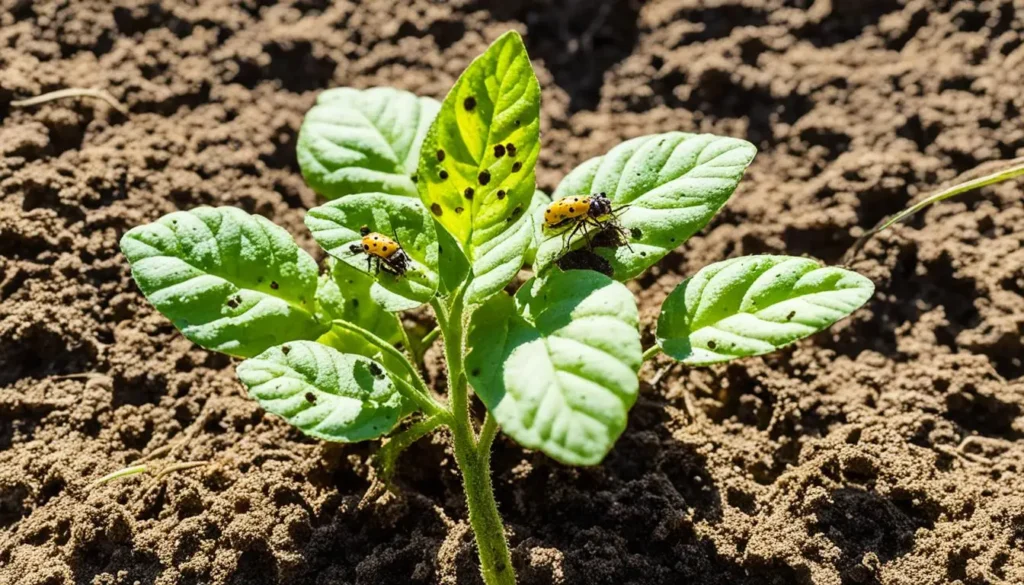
[566, 242]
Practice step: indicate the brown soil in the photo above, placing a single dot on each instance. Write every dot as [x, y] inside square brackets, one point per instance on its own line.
[840, 461]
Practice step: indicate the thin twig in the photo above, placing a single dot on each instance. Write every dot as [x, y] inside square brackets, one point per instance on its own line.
[159, 451]
[179, 467]
[661, 374]
[1014, 169]
[72, 92]
[125, 472]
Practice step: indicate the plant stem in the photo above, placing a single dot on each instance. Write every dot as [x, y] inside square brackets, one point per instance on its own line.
[487, 434]
[388, 454]
[651, 352]
[429, 338]
[495, 560]
[421, 393]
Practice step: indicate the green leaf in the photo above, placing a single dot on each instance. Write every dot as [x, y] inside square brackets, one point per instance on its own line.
[364, 141]
[344, 294]
[230, 281]
[499, 258]
[557, 366]
[668, 187]
[336, 226]
[452, 263]
[538, 204]
[754, 305]
[476, 171]
[326, 394]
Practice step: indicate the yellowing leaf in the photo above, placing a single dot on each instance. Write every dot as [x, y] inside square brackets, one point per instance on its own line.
[476, 171]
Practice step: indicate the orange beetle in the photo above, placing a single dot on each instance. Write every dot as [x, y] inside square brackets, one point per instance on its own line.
[386, 251]
[582, 211]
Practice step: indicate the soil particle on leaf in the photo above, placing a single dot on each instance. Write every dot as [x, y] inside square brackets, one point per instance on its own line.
[886, 450]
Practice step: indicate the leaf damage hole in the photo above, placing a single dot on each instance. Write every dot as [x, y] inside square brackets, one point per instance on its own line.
[484, 177]
[375, 370]
[233, 302]
[436, 209]
[469, 103]
[310, 398]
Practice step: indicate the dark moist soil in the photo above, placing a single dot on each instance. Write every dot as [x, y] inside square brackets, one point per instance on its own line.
[888, 450]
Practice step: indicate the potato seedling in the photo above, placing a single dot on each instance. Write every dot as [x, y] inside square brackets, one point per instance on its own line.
[449, 190]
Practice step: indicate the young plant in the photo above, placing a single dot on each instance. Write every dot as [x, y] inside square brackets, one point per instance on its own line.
[453, 185]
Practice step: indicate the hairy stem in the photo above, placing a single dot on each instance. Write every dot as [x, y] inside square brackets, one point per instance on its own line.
[487, 434]
[388, 454]
[420, 393]
[495, 560]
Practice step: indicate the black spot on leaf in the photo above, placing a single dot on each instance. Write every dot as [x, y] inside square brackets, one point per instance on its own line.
[468, 193]
[517, 166]
[436, 209]
[469, 103]
[310, 398]
[790, 316]
[636, 233]
[484, 177]
[285, 349]
[459, 210]
[440, 155]
[499, 151]
[501, 194]
[712, 345]
[511, 148]
[375, 370]
[274, 285]
[443, 174]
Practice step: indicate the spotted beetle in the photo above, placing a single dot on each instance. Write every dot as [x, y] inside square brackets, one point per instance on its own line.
[386, 251]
